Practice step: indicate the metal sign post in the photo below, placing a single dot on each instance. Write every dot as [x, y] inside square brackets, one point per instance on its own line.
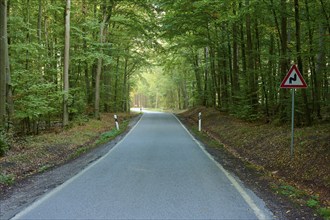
[292, 125]
[293, 80]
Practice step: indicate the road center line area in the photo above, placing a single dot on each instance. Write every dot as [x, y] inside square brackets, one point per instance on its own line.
[158, 171]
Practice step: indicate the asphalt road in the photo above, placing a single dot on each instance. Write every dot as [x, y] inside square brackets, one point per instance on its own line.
[158, 171]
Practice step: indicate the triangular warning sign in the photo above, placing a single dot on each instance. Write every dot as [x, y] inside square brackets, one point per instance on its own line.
[293, 79]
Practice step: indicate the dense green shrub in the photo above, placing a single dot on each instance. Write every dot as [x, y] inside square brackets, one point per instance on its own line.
[4, 146]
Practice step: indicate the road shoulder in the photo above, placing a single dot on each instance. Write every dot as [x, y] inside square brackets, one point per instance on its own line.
[254, 179]
[25, 192]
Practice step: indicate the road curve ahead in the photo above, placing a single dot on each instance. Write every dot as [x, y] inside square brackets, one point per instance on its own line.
[158, 171]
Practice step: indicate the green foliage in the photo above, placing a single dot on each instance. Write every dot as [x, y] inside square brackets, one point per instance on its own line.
[4, 145]
[297, 195]
[109, 135]
[81, 119]
[105, 137]
[245, 112]
[192, 44]
[290, 191]
[79, 152]
[44, 168]
[37, 61]
[325, 213]
[77, 103]
[37, 101]
[312, 203]
[203, 36]
[7, 179]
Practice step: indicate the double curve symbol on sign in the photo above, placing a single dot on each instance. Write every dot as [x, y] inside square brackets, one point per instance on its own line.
[293, 79]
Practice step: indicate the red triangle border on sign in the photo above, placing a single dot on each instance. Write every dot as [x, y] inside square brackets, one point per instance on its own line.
[283, 86]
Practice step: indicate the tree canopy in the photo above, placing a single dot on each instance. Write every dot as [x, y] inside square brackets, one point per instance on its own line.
[231, 55]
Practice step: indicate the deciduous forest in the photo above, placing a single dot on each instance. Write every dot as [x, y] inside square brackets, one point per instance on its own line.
[63, 60]
[67, 66]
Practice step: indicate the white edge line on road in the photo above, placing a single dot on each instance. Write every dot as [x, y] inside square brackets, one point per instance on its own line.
[63, 185]
[257, 211]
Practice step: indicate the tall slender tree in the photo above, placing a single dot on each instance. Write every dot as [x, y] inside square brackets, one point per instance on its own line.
[3, 44]
[107, 12]
[300, 60]
[66, 64]
[284, 58]
[235, 78]
[9, 91]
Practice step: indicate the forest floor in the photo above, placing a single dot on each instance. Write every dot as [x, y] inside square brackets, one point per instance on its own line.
[32, 154]
[37, 164]
[259, 154]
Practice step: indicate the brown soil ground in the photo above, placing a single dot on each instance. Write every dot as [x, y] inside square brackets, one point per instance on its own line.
[259, 154]
[33, 154]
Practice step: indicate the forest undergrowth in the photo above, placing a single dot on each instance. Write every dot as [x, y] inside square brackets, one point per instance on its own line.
[33, 154]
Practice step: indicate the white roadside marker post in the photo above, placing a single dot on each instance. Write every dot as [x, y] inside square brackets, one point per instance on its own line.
[200, 121]
[116, 121]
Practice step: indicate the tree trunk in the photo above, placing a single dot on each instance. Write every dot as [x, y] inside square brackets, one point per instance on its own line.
[259, 70]
[275, 20]
[89, 96]
[185, 94]
[106, 77]
[178, 88]
[325, 12]
[221, 72]
[207, 90]
[315, 86]
[39, 21]
[300, 62]
[9, 98]
[229, 98]
[116, 85]
[224, 84]
[98, 74]
[66, 64]
[125, 97]
[215, 85]
[211, 60]
[272, 74]
[104, 23]
[253, 95]
[321, 70]
[243, 55]
[28, 33]
[3, 43]
[198, 79]
[235, 80]
[284, 60]
[127, 94]
[107, 89]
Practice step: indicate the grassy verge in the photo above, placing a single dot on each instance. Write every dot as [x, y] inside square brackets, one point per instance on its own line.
[35, 154]
[301, 197]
